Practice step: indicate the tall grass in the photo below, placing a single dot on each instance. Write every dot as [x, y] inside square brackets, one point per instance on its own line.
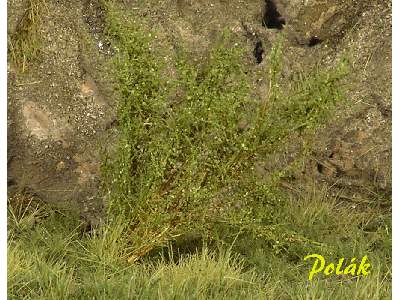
[51, 259]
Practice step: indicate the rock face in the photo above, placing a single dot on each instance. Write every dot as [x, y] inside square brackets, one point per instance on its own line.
[60, 109]
[353, 154]
[328, 20]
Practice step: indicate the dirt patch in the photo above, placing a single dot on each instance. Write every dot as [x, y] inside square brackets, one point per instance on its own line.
[91, 92]
[94, 16]
[40, 124]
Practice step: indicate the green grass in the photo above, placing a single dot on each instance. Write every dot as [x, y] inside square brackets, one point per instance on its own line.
[52, 259]
[188, 217]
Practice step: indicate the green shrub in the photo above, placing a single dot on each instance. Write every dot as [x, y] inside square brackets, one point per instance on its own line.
[183, 163]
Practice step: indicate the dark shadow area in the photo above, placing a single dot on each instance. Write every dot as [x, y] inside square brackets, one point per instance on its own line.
[320, 167]
[313, 41]
[184, 246]
[272, 18]
[258, 52]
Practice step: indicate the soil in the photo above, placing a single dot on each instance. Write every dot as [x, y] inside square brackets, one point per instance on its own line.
[61, 110]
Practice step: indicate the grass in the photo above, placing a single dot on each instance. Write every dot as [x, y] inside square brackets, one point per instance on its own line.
[188, 216]
[51, 259]
[24, 42]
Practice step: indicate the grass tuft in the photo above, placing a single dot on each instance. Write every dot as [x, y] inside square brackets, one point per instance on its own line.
[24, 42]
